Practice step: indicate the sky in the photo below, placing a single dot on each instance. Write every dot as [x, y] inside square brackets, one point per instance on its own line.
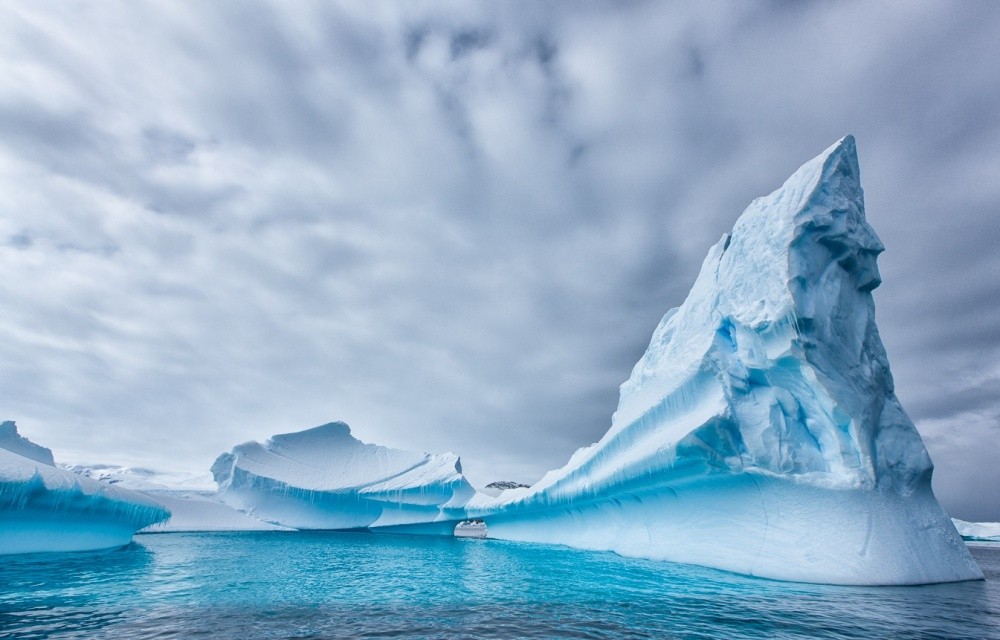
[455, 225]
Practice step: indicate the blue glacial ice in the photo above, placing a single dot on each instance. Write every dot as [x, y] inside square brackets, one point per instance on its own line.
[325, 478]
[45, 508]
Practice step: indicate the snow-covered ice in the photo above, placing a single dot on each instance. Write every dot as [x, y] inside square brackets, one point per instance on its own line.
[191, 498]
[143, 479]
[324, 478]
[203, 511]
[45, 508]
[760, 432]
[978, 531]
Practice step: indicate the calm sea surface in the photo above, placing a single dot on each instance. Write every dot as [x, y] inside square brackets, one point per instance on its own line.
[332, 585]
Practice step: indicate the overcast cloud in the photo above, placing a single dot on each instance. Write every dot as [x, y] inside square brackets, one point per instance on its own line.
[455, 226]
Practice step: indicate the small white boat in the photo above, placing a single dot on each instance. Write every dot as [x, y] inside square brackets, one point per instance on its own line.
[470, 529]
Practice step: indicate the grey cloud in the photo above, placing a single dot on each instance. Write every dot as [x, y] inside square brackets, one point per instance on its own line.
[455, 226]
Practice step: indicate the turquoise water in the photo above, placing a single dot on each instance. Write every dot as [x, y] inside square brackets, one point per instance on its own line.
[331, 585]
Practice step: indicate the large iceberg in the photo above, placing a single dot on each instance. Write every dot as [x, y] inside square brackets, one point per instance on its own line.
[324, 478]
[44, 508]
[760, 432]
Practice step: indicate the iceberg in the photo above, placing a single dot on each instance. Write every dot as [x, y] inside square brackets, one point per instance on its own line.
[45, 508]
[978, 531]
[760, 432]
[325, 478]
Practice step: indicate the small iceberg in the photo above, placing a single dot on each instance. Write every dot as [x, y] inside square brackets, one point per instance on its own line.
[45, 508]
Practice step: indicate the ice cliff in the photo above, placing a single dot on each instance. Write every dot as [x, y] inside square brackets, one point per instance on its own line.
[324, 478]
[44, 508]
[760, 432]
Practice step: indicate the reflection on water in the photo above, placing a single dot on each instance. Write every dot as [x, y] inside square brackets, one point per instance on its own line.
[284, 585]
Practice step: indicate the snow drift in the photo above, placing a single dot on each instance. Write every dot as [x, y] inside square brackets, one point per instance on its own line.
[760, 432]
[324, 478]
[44, 508]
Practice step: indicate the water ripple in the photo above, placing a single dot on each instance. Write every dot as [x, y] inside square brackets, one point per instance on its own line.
[265, 585]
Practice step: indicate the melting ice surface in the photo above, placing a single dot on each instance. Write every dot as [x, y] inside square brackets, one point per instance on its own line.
[760, 432]
[353, 584]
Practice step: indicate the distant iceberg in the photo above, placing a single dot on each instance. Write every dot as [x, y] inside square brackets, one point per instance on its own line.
[324, 478]
[192, 499]
[143, 479]
[44, 508]
[12, 441]
[760, 432]
[978, 531]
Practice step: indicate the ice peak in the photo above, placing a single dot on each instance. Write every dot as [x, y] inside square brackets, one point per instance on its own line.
[781, 323]
[843, 152]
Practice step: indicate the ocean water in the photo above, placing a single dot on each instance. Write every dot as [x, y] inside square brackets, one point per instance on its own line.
[333, 585]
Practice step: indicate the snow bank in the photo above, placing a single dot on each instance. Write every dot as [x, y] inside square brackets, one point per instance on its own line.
[760, 432]
[324, 478]
[44, 508]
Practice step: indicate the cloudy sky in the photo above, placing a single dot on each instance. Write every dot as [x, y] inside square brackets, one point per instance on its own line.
[455, 226]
